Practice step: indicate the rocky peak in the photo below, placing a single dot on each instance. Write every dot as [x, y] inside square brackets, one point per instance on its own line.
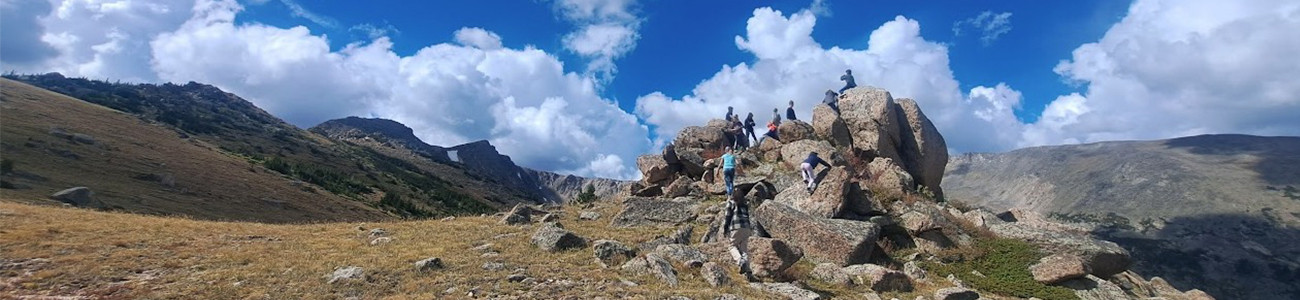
[384, 131]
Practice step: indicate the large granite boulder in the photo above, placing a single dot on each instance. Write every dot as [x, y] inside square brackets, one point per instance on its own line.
[828, 199]
[1059, 267]
[79, 197]
[1105, 258]
[829, 126]
[769, 258]
[842, 242]
[553, 237]
[699, 137]
[879, 278]
[923, 150]
[887, 174]
[792, 131]
[872, 119]
[793, 153]
[654, 169]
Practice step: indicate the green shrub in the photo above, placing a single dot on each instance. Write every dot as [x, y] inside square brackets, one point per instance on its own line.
[1005, 266]
[588, 195]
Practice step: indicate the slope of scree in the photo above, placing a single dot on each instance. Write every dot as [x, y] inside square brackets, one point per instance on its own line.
[240, 129]
[1218, 212]
[876, 224]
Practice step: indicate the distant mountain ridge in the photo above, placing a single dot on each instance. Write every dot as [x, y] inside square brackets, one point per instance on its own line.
[480, 156]
[1221, 212]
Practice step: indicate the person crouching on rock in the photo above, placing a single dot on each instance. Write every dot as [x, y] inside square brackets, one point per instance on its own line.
[729, 169]
[771, 133]
[832, 99]
[807, 170]
[737, 227]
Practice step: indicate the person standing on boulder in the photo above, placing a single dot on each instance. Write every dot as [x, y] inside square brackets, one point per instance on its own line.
[848, 81]
[776, 117]
[832, 99]
[789, 112]
[729, 114]
[749, 127]
[807, 169]
[729, 169]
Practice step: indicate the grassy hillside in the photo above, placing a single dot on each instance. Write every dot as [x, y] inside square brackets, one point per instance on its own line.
[53, 142]
[74, 252]
[238, 129]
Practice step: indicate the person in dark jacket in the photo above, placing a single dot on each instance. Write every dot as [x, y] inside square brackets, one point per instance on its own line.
[807, 169]
[832, 99]
[848, 81]
[749, 127]
[729, 114]
[736, 130]
[789, 112]
[776, 116]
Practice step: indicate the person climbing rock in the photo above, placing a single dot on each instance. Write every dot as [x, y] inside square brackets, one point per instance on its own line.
[737, 227]
[729, 169]
[749, 127]
[832, 99]
[848, 81]
[807, 167]
[789, 112]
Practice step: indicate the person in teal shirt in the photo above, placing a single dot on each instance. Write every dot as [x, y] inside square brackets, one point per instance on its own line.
[729, 169]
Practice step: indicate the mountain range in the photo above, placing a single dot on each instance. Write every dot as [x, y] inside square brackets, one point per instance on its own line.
[197, 151]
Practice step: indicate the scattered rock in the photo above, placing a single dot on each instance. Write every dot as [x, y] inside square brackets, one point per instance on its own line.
[683, 235]
[550, 217]
[887, 174]
[552, 237]
[378, 232]
[612, 253]
[79, 197]
[1059, 267]
[349, 273]
[589, 215]
[381, 240]
[842, 242]
[729, 297]
[653, 212]
[486, 247]
[680, 187]
[714, 274]
[769, 258]
[516, 277]
[1094, 288]
[914, 271]
[831, 273]
[879, 278]
[493, 266]
[787, 290]
[653, 190]
[519, 215]
[432, 263]
[654, 265]
[955, 293]
[1105, 258]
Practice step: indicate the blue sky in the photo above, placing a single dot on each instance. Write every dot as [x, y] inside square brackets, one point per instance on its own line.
[586, 86]
[683, 41]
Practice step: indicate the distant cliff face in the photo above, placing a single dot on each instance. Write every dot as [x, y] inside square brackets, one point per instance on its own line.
[479, 158]
[1218, 211]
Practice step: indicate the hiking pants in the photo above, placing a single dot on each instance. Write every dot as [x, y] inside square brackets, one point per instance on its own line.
[807, 171]
[730, 176]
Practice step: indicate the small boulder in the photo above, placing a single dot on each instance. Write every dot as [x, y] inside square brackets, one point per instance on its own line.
[787, 290]
[879, 278]
[914, 271]
[682, 235]
[493, 266]
[432, 263]
[344, 274]
[679, 253]
[680, 187]
[698, 137]
[692, 161]
[611, 253]
[653, 190]
[1059, 267]
[519, 215]
[552, 237]
[378, 232]
[955, 293]
[639, 211]
[381, 240]
[79, 197]
[714, 274]
[887, 174]
[831, 273]
[795, 130]
[653, 265]
[589, 215]
[769, 258]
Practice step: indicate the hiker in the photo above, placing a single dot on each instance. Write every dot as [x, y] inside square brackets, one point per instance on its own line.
[848, 81]
[807, 169]
[749, 128]
[729, 169]
[729, 114]
[741, 140]
[776, 117]
[832, 99]
[789, 112]
[737, 227]
[771, 132]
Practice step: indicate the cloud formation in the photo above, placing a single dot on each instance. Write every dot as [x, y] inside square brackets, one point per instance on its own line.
[606, 30]
[990, 25]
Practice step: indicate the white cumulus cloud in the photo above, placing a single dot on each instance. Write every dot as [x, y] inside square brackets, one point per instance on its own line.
[606, 30]
[990, 25]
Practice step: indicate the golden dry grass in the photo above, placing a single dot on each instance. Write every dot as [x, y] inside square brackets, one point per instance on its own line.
[58, 251]
[207, 183]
